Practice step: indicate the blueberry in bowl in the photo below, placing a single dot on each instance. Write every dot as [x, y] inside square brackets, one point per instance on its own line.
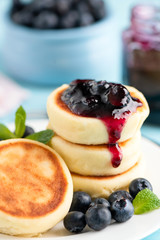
[57, 14]
[53, 42]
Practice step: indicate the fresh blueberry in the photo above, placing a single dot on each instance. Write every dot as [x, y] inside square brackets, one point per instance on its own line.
[100, 13]
[70, 20]
[38, 6]
[28, 131]
[101, 201]
[23, 17]
[46, 20]
[82, 7]
[16, 2]
[17, 5]
[122, 210]
[98, 217]
[118, 195]
[139, 184]
[80, 202]
[95, 3]
[86, 19]
[98, 8]
[74, 222]
[63, 6]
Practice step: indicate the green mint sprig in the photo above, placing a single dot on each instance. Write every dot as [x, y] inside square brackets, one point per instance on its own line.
[42, 136]
[145, 201]
[5, 133]
[20, 119]
[20, 126]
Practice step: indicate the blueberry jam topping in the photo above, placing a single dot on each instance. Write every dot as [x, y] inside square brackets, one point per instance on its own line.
[109, 102]
[116, 153]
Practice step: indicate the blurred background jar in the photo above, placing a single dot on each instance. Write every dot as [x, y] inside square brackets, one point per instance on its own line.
[141, 55]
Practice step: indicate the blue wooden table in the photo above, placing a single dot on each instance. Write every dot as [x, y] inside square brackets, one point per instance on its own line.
[35, 105]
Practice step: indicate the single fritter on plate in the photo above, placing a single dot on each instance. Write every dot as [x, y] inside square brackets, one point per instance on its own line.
[92, 130]
[36, 187]
[96, 160]
[103, 186]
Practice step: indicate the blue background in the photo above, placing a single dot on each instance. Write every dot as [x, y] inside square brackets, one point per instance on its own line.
[36, 103]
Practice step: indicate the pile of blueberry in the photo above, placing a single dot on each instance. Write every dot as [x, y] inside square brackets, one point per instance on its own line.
[57, 14]
[98, 213]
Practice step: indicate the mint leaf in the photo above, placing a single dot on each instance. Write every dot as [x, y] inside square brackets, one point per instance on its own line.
[145, 201]
[20, 118]
[5, 133]
[42, 136]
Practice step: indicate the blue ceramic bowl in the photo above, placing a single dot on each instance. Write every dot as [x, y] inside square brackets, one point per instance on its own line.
[57, 56]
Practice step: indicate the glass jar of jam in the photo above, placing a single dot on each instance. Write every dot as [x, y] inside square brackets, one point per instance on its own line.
[141, 55]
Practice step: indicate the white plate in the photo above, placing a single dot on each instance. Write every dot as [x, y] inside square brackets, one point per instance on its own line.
[138, 227]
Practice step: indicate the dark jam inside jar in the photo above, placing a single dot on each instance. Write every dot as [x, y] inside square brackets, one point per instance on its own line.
[141, 63]
[109, 102]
